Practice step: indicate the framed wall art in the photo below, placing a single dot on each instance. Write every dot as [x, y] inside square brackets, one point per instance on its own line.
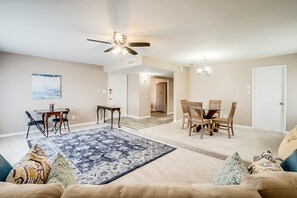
[46, 86]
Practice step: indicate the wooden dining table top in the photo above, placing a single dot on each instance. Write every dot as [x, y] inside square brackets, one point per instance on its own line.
[43, 111]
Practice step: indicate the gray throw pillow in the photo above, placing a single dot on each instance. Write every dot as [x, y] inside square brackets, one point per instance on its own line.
[230, 173]
[61, 172]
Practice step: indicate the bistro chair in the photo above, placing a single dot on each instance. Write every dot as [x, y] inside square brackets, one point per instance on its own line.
[64, 121]
[225, 123]
[184, 104]
[197, 117]
[33, 122]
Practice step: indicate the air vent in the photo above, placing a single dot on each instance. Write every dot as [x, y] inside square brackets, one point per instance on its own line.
[131, 61]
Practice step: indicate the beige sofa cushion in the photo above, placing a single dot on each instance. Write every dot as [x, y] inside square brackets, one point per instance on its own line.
[10, 190]
[288, 145]
[158, 190]
[273, 184]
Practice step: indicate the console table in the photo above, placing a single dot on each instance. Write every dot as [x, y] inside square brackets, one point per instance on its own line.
[111, 109]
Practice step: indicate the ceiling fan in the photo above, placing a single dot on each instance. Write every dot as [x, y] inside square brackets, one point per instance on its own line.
[120, 44]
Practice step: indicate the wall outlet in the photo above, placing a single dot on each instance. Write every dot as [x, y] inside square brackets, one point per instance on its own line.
[73, 117]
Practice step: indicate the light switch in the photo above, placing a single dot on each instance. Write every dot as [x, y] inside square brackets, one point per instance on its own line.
[104, 91]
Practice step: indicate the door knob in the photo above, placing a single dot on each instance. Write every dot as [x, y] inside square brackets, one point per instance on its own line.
[281, 103]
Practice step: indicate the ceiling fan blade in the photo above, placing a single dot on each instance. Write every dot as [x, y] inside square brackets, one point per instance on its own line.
[131, 51]
[139, 44]
[109, 49]
[105, 42]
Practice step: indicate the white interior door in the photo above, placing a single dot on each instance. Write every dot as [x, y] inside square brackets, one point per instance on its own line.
[269, 98]
[117, 92]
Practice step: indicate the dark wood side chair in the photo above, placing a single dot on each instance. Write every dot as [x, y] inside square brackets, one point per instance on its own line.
[33, 122]
[64, 120]
[225, 123]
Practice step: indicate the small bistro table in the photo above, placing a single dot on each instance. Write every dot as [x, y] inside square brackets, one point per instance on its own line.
[111, 109]
[46, 113]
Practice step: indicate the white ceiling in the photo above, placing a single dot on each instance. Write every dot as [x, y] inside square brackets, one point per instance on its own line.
[180, 31]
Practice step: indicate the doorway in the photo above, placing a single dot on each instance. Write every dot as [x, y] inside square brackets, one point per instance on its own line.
[161, 96]
[117, 92]
[269, 98]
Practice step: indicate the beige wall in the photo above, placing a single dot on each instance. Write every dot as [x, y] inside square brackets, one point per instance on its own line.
[144, 96]
[139, 95]
[133, 95]
[181, 91]
[80, 84]
[230, 80]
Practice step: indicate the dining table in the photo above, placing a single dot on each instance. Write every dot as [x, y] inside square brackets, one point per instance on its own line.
[207, 114]
[47, 113]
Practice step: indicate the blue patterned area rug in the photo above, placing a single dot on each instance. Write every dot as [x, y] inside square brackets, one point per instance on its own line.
[101, 155]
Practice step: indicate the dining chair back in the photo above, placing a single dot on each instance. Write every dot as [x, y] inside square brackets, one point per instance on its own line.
[64, 120]
[232, 111]
[193, 105]
[215, 104]
[33, 122]
[225, 123]
[184, 104]
[196, 117]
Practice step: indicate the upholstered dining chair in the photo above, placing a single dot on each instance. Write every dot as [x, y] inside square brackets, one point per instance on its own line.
[215, 104]
[184, 104]
[225, 123]
[33, 122]
[197, 117]
[64, 121]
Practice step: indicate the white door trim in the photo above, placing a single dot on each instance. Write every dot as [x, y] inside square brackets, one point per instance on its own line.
[285, 95]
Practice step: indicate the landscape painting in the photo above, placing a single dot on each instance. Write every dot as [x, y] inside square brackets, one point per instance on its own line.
[46, 86]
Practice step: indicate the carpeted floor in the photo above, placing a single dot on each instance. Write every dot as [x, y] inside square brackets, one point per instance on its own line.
[186, 164]
[246, 142]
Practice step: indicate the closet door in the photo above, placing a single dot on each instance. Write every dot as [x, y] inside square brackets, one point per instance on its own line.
[161, 97]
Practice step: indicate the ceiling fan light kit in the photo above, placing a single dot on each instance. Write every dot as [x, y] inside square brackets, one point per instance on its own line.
[120, 44]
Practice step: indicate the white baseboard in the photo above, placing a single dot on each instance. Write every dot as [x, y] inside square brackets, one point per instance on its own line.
[85, 123]
[37, 131]
[135, 117]
[242, 126]
[180, 120]
[17, 133]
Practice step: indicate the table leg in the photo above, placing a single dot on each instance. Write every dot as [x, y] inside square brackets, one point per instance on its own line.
[104, 115]
[46, 123]
[61, 120]
[111, 118]
[119, 120]
[97, 115]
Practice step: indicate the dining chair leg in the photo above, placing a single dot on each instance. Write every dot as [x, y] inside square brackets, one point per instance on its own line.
[54, 127]
[190, 129]
[201, 132]
[183, 123]
[28, 132]
[209, 129]
[232, 128]
[228, 128]
[68, 126]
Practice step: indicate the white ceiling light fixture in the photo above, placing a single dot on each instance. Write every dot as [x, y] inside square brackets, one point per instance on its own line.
[204, 70]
